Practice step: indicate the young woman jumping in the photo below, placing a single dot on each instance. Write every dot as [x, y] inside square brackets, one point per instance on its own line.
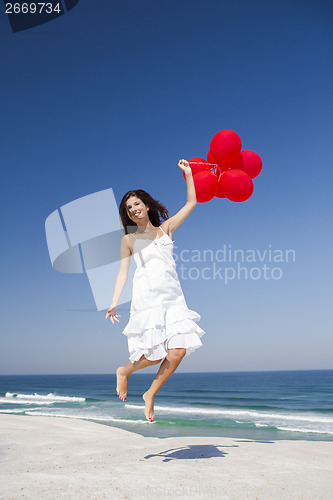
[161, 328]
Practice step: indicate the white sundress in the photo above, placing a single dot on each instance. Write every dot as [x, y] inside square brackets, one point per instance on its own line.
[159, 316]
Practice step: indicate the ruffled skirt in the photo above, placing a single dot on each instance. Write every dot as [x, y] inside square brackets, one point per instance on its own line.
[156, 329]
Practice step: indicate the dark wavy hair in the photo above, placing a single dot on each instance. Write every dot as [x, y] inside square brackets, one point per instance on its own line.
[156, 213]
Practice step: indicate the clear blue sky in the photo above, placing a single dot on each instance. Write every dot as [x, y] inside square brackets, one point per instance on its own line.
[113, 94]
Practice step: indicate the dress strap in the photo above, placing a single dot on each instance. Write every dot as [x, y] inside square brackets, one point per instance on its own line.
[162, 229]
[133, 235]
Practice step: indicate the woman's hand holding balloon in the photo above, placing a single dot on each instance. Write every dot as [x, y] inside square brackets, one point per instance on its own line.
[185, 167]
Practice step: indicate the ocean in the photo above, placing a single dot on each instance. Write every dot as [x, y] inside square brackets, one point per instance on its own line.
[248, 405]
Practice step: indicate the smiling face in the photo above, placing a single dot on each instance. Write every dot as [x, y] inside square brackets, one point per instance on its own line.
[136, 209]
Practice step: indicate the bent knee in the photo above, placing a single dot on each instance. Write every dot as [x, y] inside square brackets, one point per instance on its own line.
[177, 352]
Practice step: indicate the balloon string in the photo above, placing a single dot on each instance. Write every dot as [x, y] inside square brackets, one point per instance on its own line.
[216, 165]
[203, 163]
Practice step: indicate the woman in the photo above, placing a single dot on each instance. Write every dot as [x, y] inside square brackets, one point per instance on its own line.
[161, 325]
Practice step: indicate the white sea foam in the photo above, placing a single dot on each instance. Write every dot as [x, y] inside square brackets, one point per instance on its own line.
[12, 411]
[241, 413]
[51, 398]
[87, 417]
[15, 401]
[282, 421]
[305, 422]
[315, 431]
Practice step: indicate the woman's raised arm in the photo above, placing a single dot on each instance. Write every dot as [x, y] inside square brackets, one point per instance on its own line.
[177, 219]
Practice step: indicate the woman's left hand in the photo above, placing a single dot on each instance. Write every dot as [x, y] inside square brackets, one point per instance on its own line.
[185, 166]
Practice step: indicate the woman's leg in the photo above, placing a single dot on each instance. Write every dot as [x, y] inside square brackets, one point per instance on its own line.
[169, 365]
[123, 372]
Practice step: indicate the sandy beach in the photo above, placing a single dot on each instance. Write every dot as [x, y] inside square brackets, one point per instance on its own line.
[50, 458]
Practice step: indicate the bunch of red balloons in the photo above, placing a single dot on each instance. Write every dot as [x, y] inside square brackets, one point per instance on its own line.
[227, 172]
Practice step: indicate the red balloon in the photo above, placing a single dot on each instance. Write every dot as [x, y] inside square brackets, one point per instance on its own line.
[210, 158]
[250, 162]
[196, 165]
[206, 185]
[219, 193]
[236, 184]
[225, 146]
[235, 160]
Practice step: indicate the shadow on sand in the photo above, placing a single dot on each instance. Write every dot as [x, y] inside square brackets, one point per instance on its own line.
[195, 451]
[192, 452]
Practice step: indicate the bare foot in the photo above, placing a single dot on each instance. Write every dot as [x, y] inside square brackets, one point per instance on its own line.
[122, 380]
[149, 406]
